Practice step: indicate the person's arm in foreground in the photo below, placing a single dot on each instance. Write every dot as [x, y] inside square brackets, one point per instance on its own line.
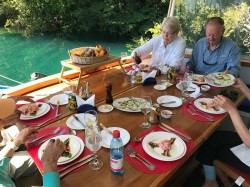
[51, 154]
[239, 125]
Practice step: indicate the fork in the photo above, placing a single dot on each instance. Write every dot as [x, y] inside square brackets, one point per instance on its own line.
[203, 113]
[61, 133]
[141, 138]
[54, 132]
[131, 152]
[198, 114]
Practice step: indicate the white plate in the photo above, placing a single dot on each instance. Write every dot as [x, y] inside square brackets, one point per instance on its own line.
[197, 82]
[126, 109]
[215, 81]
[178, 148]
[160, 87]
[76, 145]
[105, 108]
[191, 87]
[42, 110]
[74, 124]
[210, 110]
[63, 99]
[106, 137]
[166, 98]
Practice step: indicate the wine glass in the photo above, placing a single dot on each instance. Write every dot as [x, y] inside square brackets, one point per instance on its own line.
[91, 118]
[164, 71]
[123, 57]
[93, 139]
[145, 106]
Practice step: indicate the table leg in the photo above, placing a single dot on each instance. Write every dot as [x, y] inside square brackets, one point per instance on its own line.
[62, 72]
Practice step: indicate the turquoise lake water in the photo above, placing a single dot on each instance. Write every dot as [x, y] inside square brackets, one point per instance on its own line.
[20, 56]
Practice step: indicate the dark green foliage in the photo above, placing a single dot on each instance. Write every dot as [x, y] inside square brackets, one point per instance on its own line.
[116, 17]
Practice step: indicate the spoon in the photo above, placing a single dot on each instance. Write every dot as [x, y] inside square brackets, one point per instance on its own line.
[72, 132]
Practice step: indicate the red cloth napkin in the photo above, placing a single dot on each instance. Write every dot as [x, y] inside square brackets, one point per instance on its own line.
[128, 68]
[161, 166]
[33, 150]
[186, 105]
[36, 121]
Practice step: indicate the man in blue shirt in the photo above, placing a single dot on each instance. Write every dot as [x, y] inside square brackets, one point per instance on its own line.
[215, 53]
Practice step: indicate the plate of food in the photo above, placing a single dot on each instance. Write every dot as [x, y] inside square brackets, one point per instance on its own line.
[198, 79]
[208, 105]
[105, 108]
[219, 79]
[128, 104]
[192, 87]
[107, 137]
[169, 101]
[74, 146]
[74, 124]
[33, 110]
[62, 98]
[164, 146]
[160, 87]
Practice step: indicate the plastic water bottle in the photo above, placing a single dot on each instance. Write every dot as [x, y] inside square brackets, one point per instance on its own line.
[116, 154]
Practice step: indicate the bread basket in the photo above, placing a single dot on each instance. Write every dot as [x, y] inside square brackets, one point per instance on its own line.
[87, 60]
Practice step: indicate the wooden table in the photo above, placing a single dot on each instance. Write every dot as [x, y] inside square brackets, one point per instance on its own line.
[81, 67]
[199, 131]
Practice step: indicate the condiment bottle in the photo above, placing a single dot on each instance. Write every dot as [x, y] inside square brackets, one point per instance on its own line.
[116, 154]
[154, 115]
[109, 97]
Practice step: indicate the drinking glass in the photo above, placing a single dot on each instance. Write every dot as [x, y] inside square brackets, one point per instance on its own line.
[123, 57]
[91, 118]
[188, 75]
[145, 106]
[164, 72]
[184, 84]
[93, 139]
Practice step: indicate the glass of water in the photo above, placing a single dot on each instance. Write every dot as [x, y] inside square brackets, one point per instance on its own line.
[123, 57]
[145, 106]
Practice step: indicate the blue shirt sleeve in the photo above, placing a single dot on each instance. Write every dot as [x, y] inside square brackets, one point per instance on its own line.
[51, 179]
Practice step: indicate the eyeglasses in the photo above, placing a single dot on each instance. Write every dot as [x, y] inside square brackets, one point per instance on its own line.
[216, 62]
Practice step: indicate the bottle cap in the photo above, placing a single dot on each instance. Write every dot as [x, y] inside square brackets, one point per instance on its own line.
[116, 134]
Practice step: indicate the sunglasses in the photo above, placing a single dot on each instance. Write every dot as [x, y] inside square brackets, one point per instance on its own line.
[216, 62]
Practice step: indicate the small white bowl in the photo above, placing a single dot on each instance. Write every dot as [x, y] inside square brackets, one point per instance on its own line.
[205, 87]
[166, 114]
[160, 87]
[105, 108]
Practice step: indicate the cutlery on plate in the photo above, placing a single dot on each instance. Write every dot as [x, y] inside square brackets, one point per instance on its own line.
[167, 130]
[77, 119]
[54, 132]
[168, 102]
[106, 129]
[57, 107]
[43, 123]
[77, 166]
[204, 113]
[198, 114]
[131, 152]
[141, 138]
[61, 133]
[79, 161]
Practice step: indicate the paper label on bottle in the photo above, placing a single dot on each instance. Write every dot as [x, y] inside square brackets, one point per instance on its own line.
[116, 165]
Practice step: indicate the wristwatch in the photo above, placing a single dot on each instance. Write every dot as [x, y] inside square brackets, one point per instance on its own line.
[12, 145]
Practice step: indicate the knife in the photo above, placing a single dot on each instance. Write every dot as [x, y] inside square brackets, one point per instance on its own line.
[79, 161]
[57, 108]
[77, 119]
[177, 132]
[76, 166]
[182, 137]
[41, 124]
[106, 129]
[61, 133]
[168, 102]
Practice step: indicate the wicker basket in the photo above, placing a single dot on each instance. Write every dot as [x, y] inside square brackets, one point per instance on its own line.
[87, 60]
